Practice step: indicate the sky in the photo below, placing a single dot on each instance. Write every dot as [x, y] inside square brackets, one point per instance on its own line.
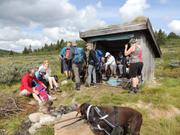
[36, 22]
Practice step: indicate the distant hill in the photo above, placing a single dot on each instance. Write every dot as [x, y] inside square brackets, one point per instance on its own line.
[6, 52]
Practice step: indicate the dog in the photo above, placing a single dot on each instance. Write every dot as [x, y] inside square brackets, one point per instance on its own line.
[125, 117]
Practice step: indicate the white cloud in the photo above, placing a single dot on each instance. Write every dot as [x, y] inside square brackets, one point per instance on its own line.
[174, 25]
[99, 4]
[133, 8]
[36, 22]
[163, 1]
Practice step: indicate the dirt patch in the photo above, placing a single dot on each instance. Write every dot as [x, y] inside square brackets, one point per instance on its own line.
[167, 113]
[164, 113]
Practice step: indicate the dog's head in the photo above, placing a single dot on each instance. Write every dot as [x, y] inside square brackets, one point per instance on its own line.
[83, 110]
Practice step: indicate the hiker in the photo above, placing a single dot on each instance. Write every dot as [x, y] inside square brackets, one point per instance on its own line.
[92, 64]
[52, 82]
[99, 55]
[77, 63]
[66, 58]
[26, 87]
[119, 62]
[40, 75]
[136, 64]
[110, 63]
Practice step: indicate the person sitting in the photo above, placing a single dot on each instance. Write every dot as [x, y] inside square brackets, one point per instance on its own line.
[66, 55]
[119, 61]
[40, 75]
[48, 77]
[110, 63]
[26, 87]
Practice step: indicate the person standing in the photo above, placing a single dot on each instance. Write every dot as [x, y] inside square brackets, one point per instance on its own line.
[136, 63]
[77, 63]
[66, 59]
[92, 64]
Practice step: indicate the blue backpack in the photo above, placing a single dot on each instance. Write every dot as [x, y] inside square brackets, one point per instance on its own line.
[99, 55]
[78, 55]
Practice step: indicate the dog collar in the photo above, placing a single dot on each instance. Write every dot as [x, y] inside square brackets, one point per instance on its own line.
[88, 111]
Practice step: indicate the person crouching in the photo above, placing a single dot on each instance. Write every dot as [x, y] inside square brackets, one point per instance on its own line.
[26, 87]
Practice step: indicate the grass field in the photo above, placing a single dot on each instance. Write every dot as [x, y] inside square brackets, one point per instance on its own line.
[158, 101]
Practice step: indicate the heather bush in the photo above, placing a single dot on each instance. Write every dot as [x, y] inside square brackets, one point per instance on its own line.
[11, 73]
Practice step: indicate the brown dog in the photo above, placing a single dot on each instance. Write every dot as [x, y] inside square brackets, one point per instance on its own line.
[123, 116]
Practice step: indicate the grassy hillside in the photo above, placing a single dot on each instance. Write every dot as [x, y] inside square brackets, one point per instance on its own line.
[158, 101]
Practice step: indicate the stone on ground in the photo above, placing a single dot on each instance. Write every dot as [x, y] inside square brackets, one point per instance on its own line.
[78, 128]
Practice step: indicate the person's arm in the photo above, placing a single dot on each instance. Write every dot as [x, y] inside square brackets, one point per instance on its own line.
[93, 54]
[109, 61]
[128, 51]
[39, 82]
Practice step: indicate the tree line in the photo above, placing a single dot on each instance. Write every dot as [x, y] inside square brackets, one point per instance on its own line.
[51, 47]
[161, 38]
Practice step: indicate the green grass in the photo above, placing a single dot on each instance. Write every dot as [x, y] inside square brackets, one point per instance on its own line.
[47, 130]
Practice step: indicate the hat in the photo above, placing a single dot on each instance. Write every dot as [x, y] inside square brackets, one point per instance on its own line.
[132, 40]
[42, 70]
[89, 44]
[107, 54]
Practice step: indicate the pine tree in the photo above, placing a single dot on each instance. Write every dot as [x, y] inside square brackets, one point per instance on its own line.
[30, 49]
[25, 51]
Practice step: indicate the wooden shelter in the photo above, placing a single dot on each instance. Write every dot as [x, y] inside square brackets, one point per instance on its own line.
[114, 37]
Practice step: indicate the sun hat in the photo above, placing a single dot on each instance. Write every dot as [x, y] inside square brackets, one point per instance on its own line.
[107, 54]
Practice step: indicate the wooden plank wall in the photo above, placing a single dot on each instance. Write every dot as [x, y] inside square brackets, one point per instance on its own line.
[148, 59]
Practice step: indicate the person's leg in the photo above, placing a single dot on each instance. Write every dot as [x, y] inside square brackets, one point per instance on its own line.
[112, 70]
[88, 81]
[24, 93]
[50, 82]
[54, 82]
[36, 97]
[94, 74]
[120, 69]
[76, 74]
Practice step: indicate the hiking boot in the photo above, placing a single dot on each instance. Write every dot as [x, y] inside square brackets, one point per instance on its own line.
[77, 86]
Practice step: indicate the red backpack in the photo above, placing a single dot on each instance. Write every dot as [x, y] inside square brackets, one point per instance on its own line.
[68, 53]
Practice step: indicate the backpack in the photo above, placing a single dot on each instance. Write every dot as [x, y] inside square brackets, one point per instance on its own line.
[68, 53]
[78, 55]
[99, 55]
[42, 93]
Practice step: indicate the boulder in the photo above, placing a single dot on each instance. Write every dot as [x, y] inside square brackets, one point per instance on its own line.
[78, 128]
[46, 119]
[35, 117]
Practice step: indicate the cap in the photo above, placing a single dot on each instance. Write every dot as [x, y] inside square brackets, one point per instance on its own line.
[107, 54]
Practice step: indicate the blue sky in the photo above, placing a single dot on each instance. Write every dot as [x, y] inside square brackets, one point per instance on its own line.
[37, 22]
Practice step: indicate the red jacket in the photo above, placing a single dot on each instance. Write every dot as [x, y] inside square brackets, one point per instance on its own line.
[26, 82]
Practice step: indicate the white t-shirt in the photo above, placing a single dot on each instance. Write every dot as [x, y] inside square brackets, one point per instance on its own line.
[111, 61]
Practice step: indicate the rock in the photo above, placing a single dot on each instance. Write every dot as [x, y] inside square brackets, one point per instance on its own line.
[78, 128]
[64, 82]
[35, 117]
[32, 130]
[46, 119]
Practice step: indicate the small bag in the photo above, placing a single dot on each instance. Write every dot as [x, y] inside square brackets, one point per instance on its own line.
[42, 93]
